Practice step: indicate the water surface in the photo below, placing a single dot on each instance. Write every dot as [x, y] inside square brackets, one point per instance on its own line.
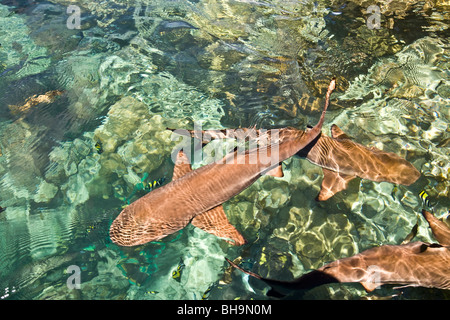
[136, 67]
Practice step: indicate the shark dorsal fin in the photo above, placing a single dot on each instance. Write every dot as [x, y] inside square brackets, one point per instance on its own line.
[332, 183]
[182, 165]
[337, 133]
[213, 221]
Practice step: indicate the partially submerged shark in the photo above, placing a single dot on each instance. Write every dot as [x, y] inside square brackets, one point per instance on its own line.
[341, 159]
[412, 264]
[196, 196]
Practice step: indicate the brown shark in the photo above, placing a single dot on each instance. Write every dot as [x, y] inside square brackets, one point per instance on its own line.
[341, 159]
[192, 195]
[413, 264]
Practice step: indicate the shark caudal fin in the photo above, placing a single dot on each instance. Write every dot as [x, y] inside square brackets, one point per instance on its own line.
[213, 221]
[280, 289]
[315, 131]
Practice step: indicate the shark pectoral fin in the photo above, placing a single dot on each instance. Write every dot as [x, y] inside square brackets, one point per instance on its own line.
[216, 222]
[182, 165]
[440, 229]
[370, 286]
[337, 133]
[275, 172]
[332, 183]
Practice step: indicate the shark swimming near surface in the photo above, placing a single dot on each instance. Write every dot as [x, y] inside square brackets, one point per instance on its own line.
[412, 264]
[196, 196]
[342, 160]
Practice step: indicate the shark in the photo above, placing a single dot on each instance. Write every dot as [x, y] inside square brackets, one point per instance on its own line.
[411, 264]
[342, 160]
[196, 196]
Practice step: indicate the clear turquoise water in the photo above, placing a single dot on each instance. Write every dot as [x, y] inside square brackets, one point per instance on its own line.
[137, 67]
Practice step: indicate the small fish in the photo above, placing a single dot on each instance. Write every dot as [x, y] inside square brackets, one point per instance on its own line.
[205, 295]
[394, 191]
[443, 144]
[177, 273]
[2, 209]
[89, 248]
[156, 183]
[98, 147]
[152, 292]
[91, 228]
[425, 198]
[171, 25]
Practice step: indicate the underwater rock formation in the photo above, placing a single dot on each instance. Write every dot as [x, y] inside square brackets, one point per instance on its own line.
[20, 55]
[405, 89]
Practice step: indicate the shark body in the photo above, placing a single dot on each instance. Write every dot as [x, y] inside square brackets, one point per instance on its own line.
[192, 194]
[412, 264]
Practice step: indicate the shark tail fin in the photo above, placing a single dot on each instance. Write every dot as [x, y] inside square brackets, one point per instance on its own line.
[243, 270]
[315, 131]
[332, 183]
[330, 89]
[213, 221]
[272, 291]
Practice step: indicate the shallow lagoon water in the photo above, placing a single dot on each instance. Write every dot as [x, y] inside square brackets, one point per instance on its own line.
[136, 67]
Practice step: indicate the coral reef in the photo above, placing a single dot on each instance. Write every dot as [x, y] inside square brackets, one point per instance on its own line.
[69, 164]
